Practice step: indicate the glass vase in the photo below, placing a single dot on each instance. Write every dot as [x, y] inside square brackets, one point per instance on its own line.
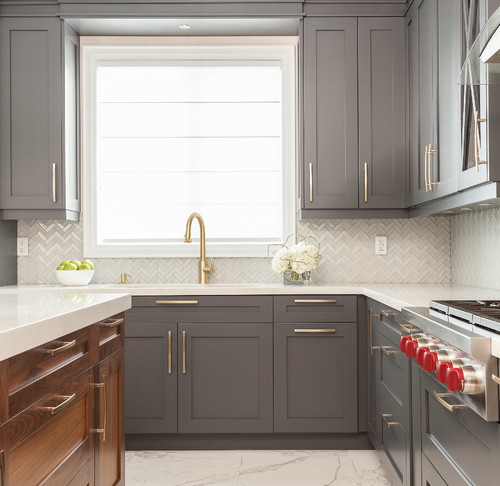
[293, 278]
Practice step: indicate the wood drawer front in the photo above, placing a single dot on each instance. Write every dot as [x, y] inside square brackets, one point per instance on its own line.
[315, 308]
[395, 441]
[36, 372]
[49, 447]
[213, 308]
[459, 440]
[111, 335]
[393, 377]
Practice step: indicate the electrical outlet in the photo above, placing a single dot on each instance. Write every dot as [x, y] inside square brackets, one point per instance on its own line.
[22, 247]
[380, 245]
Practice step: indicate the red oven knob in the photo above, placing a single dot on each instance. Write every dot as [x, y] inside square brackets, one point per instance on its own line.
[402, 343]
[442, 369]
[420, 353]
[430, 360]
[411, 348]
[455, 379]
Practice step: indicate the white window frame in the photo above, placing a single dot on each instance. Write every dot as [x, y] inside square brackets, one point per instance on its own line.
[97, 49]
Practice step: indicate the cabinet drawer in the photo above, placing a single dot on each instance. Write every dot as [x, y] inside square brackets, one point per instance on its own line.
[391, 323]
[395, 441]
[393, 377]
[234, 308]
[50, 440]
[36, 372]
[460, 440]
[315, 308]
[111, 335]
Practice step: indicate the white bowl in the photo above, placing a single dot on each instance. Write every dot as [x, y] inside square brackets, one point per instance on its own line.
[74, 277]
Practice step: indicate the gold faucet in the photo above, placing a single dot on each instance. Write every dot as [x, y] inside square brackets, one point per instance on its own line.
[203, 267]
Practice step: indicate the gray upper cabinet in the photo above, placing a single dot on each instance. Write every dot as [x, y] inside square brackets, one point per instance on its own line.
[39, 119]
[330, 170]
[382, 112]
[346, 166]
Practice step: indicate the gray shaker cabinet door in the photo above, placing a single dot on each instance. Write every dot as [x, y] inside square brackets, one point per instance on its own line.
[151, 376]
[315, 377]
[225, 378]
[382, 112]
[373, 372]
[38, 94]
[330, 164]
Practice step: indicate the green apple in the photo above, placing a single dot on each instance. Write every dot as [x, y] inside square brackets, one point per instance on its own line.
[60, 267]
[70, 266]
[76, 262]
[84, 266]
[63, 263]
[89, 263]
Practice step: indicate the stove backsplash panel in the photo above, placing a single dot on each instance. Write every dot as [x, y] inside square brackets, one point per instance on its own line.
[475, 248]
[418, 251]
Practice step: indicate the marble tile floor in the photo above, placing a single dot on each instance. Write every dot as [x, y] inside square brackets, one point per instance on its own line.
[254, 468]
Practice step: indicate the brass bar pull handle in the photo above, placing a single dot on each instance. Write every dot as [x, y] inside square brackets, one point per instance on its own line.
[184, 352]
[60, 349]
[169, 352]
[409, 328]
[54, 196]
[425, 169]
[496, 379]
[67, 400]
[386, 350]
[2, 468]
[477, 121]
[366, 182]
[310, 182]
[315, 301]
[113, 322]
[387, 422]
[372, 348]
[387, 313]
[429, 172]
[105, 419]
[440, 396]
[314, 330]
[187, 302]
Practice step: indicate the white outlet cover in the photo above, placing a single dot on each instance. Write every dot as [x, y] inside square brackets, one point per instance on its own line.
[22, 246]
[380, 245]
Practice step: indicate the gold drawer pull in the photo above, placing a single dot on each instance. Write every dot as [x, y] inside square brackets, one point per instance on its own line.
[315, 330]
[496, 379]
[105, 419]
[409, 328]
[113, 322]
[2, 468]
[54, 196]
[60, 349]
[58, 408]
[387, 313]
[169, 352]
[310, 182]
[315, 301]
[184, 352]
[387, 422]
[439, 397]
[477, 120]
[190, 302]
[385, 350]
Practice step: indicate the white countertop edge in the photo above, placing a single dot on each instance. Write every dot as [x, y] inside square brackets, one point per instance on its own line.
[19, 339]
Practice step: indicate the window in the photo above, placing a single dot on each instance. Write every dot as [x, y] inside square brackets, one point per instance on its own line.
[172, 129]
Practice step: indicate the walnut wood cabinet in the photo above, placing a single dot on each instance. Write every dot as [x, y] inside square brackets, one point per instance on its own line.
[61, 410]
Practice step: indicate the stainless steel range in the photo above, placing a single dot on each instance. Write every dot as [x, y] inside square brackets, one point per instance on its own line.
[453, 340]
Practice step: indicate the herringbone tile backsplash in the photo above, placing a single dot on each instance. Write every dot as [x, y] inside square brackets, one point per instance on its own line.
[418, 251]
[476, 248]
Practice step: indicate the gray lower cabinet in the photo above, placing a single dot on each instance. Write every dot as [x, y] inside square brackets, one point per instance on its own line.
[373, 422]
[430, 477]
[151, 377]
[315, 377]
[39, 153]
[462, 447]
[354, 70]
[225, 382]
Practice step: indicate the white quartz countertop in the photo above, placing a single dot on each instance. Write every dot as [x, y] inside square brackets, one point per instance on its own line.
[395, 295]
[30, 319]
